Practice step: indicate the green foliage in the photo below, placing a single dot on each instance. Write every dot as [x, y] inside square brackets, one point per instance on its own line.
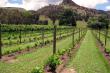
[38, 70]
[103, 38]
[98, 25]
[53, 61]
[28, 47]
[67, 18]
[26, 62]
[81, 24]
[26, 14]
[31, 36]
[92, 20]
[61, 52]
[104, 19]
[36, 44]
[100, 22]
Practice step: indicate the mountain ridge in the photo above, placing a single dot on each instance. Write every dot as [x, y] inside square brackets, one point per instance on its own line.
[74, 5]
[80, 10]
[13, 14]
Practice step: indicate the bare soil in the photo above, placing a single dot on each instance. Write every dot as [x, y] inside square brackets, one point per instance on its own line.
[68, 70]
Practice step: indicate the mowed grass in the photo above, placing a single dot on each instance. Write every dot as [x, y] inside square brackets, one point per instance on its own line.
[25, 63]
[89, 59]
[81, 24]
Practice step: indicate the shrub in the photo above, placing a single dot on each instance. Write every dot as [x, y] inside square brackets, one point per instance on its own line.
[34, 38]
[35, 44]
[48, 41]
[52, 62]
[61, 52]
[19, 49]
[9, 38]
[107, 51]
[37, 70]
[11, 51]
[28, 48]
[68, 50]
[24, 40]
[30, 40]
[7, 52]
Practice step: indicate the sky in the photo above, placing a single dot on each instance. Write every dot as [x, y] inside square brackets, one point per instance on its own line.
[37, 4]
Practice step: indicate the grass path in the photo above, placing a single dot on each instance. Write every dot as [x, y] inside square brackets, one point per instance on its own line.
[89, 59]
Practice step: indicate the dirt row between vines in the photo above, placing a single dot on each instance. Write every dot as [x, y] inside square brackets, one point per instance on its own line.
[73, 53]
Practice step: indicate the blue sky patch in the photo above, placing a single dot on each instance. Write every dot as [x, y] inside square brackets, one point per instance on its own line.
[102, 6]
[15, 1]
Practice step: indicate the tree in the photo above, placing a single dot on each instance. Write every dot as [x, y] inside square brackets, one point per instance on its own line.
[18, 16]
[68, 18]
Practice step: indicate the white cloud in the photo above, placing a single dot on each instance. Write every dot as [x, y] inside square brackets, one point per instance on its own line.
[36, 4]
[108, 8]
[29, 4]
[90, 3]
[3, 3]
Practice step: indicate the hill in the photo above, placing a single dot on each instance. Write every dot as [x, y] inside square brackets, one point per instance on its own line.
[19, 15]
[13, 15]
[80, 10]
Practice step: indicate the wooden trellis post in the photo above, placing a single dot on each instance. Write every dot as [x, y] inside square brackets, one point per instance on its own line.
[60, 32]
[42, 30]
[106, 35]
[20, 35]
[73, 37]
[54, 39]
[79, 34]
[99, 33]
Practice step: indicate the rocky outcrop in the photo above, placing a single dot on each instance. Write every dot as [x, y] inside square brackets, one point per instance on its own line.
[70, 2]
[83, 10]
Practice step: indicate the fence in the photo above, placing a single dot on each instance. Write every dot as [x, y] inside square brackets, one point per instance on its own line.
[15, 38]
[103, 37]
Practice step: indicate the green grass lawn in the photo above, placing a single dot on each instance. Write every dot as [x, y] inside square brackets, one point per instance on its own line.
[89, 59]
[81, 24]
[25, 63]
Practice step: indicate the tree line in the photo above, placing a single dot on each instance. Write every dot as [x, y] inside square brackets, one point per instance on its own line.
[17, 16]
